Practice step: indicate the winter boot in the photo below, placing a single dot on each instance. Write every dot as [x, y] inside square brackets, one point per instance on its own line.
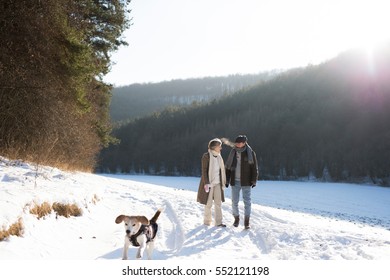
[246, 222]
[236, 221]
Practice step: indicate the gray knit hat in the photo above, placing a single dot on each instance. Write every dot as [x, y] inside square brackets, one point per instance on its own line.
[241, 139]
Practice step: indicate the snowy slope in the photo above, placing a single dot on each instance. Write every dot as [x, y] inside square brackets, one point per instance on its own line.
[276, 234]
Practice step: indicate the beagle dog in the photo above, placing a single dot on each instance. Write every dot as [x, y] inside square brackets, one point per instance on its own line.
[140, 232]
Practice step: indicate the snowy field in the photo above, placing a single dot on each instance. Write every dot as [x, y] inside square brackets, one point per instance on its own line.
[290, 220]
[358, 203]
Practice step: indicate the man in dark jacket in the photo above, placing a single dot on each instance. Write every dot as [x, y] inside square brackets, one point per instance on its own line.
[241, 173]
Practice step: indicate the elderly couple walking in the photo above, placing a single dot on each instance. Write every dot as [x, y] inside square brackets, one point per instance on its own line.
[240, 171]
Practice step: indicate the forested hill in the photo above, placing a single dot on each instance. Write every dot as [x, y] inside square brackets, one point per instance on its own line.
[326, 122]
[138, 100]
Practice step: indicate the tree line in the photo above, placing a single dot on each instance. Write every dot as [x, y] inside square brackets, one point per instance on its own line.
[326, 122]
[54, 105]
[140, 100]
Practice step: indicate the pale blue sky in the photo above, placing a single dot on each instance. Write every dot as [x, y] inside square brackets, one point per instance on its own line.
[179, 39]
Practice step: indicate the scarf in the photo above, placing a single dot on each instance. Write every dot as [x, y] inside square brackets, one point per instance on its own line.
[232, 156]
[213, 153]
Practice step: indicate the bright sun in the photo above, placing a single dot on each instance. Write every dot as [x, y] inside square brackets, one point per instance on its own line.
[369, 23]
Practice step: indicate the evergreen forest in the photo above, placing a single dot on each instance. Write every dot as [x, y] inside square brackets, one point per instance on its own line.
[139, 100]
[54, 104]
[328, 122]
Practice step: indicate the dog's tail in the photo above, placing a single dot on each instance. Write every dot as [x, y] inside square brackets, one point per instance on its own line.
[155, 217]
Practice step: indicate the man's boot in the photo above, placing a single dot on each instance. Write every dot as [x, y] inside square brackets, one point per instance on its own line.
[246, 222]
[236, 221]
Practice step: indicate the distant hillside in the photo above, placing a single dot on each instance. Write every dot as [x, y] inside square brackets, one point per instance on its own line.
[327, 122]
[139, 100]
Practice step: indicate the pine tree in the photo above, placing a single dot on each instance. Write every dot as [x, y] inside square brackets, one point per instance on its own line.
[53, 102]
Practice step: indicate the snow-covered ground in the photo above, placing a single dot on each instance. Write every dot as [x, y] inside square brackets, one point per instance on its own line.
[290, 220]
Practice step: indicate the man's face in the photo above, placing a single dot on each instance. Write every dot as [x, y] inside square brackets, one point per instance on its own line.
[240, 144]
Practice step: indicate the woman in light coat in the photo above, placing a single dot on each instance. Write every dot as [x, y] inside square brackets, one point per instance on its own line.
[212, 183]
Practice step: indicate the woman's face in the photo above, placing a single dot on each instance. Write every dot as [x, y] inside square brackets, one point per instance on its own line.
[218, 148]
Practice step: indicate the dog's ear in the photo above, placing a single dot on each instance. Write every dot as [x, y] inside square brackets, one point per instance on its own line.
[119, 219]
[143, 220]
